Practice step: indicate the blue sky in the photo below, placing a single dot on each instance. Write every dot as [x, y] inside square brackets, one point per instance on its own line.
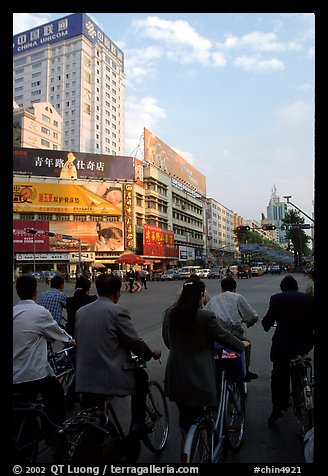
[232, 93]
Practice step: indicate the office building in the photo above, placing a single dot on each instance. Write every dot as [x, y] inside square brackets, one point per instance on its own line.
[71, 63]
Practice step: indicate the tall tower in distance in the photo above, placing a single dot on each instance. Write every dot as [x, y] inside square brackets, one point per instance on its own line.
[71, 63]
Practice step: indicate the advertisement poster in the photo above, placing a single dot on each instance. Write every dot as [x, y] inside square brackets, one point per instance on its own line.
[71, 165]
[161, 155]
[94, 236]
[158, 242]
[91, 199]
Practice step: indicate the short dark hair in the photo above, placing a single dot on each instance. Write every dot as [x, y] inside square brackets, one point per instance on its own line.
[228, 284]
[56, 281]
[83, 282]
[108, 284]
[26, 286]
[289, 283]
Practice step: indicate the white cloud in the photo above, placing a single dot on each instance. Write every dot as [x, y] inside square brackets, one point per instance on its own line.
[257, 63]
[25, 21]
[259, 42]
[139, 64]
[182, 42]
[140, 113]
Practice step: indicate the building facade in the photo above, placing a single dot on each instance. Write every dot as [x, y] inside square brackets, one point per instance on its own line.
[220, 231]
[38, 126]
[71, 63]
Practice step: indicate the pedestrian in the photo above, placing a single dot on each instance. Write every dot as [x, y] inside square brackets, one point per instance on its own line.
[131, 277]
[143, 277]
[32, 374]
[105, 339]
[80, 298]
[310, 287]
[232, 309]
[190, 332]
[293, 314]
[54, 299]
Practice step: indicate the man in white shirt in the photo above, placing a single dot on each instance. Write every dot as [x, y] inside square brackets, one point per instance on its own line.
[233, 310]
[32, 374]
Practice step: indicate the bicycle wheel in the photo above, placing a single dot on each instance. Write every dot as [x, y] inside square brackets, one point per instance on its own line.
[26, 437]
[199, 442]
[302, 399]
[93, 447]
[157, 418]
[235, 414]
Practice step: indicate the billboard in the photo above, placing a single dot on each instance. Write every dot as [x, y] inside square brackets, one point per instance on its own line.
[159, 242]
[161, 155]
[89, 199]
[94, 236]
[72, 165]
[62, 29]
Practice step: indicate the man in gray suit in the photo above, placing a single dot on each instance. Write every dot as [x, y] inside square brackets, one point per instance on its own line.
[105, 339]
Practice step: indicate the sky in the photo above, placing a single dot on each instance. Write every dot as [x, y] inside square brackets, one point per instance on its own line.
[231, 93]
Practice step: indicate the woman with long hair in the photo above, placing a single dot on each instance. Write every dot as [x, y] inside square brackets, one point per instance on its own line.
[189, 332]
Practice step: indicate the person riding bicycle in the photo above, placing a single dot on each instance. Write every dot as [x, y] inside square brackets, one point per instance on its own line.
[32, 374]
[293, 313]
[189, 332]
[106, 338]
[232, 309]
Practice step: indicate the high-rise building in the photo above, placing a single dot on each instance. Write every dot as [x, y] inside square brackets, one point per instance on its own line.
[71, 63]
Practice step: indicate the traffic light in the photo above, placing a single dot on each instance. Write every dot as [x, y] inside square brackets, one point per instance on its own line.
[243, 228]
[31, 230]
[49, 233]
[268, 227]
[285, 227]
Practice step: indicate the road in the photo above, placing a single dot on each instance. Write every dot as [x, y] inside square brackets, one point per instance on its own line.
[261, 444]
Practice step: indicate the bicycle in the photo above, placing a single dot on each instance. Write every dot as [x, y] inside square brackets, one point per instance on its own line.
[217, 429]
[29, 421]
[157, 416]
[302, 383]
[93, 436]
[63, 365]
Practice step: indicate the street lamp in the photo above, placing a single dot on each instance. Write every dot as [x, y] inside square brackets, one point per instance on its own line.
[287, 197]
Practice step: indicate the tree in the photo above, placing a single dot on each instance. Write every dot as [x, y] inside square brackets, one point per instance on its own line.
[297, 236]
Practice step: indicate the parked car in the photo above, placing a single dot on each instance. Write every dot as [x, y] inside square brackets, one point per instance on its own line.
[275, 269]
[244, 271]
[170, 275]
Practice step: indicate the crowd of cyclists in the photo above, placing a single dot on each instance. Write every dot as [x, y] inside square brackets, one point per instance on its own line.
[105, 339]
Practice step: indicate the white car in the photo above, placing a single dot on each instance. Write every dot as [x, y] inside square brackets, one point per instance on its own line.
[205, 272]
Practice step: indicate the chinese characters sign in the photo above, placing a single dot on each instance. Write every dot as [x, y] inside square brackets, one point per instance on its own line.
[71, 165]
[128, 217]
[63, 198]
[159, 242]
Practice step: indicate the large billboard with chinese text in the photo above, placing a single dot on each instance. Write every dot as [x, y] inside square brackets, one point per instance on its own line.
[161, 155]
[159, 242]
[72, 165]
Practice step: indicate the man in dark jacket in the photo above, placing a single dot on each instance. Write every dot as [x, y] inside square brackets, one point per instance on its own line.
[292, 311]
[81, 298]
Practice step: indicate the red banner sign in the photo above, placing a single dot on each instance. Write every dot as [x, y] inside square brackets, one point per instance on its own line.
[159, 242]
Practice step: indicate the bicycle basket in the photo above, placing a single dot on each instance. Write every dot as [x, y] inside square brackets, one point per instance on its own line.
[234, 364]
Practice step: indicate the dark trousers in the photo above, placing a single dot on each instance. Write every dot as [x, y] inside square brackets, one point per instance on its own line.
[131, 281]
[144, 282]
[138, 400]
[280, 384]
[53, 399]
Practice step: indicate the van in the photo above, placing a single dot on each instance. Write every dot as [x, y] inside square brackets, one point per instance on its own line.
[186, 271]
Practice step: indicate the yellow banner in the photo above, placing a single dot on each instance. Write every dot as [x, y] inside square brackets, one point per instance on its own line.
[61, 198]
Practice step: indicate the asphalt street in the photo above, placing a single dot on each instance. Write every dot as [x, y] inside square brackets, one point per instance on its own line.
[261, 444]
